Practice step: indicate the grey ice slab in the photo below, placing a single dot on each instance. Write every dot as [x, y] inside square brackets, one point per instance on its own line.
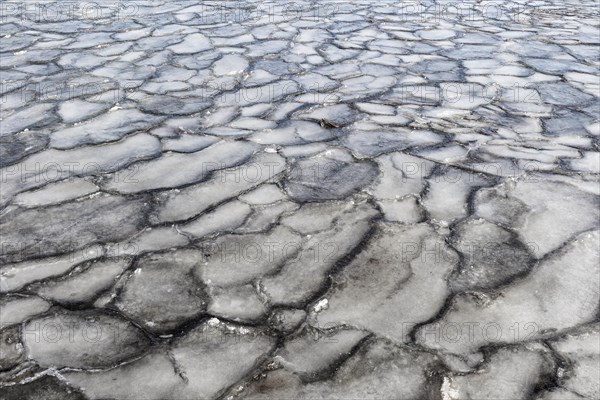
[293, 200]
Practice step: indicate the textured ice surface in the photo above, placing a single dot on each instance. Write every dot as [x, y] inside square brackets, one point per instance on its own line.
[144, 290]
[560, 292]
[200, 364]
[545, 214]
[305, 274]
[99, 218]
[106, 128]
[581, 350]
[509, 373]
[299, 200]
[328, 176]
[167, 171]
[223, 184]
[84, 339]
[490, 255]
[84, 283]
[237, 259]
[379, 369]
[385, 280]
[52, 165]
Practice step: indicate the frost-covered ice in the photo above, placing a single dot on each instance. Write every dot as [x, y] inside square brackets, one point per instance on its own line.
[364, 199]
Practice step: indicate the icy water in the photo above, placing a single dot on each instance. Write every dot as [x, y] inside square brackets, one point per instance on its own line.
[300, 200]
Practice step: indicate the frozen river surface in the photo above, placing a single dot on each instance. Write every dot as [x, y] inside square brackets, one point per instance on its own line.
[300, 200]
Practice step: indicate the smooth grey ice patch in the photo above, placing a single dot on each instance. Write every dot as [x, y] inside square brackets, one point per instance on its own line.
[83, 60]
[220, 116]
[374, 143]
[312, 82]
[36, 116]
[339, 114]
[252, 124]
[172, 170]
[209, 358]
[436, 34]
[330, 175]
[15, 310]
[232, 40]
[335, 54]
[46, 384]
[124, 73]
[358, 88]
[225, 218]
[55, 193]
[401, 175]
[168, 105]
[563, 94]
[41, 70]
[106, 128]
[84, 283]
[293, 133]
[406, 210]
[17, 275]
[187, 202]
[263, 48]
[590, 162]
[188, 143]
[193, 43]
[317, 217]
[92, 39]
[308, 357]
[168, 74]
[162, 302]
[239, 259]
[265, 194]
[391, 120]
[545, 214]
[231, 64]
[448, 193]
[118, 341]
[92, 220]
[257, 110]
[152, 377]
[79, 110]
[151, 239]
[554, 66]
[21, 144]
[567, 122]
[52, 165]
[303, 150]
[237, 303]
[376, 108]
[163, 88]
